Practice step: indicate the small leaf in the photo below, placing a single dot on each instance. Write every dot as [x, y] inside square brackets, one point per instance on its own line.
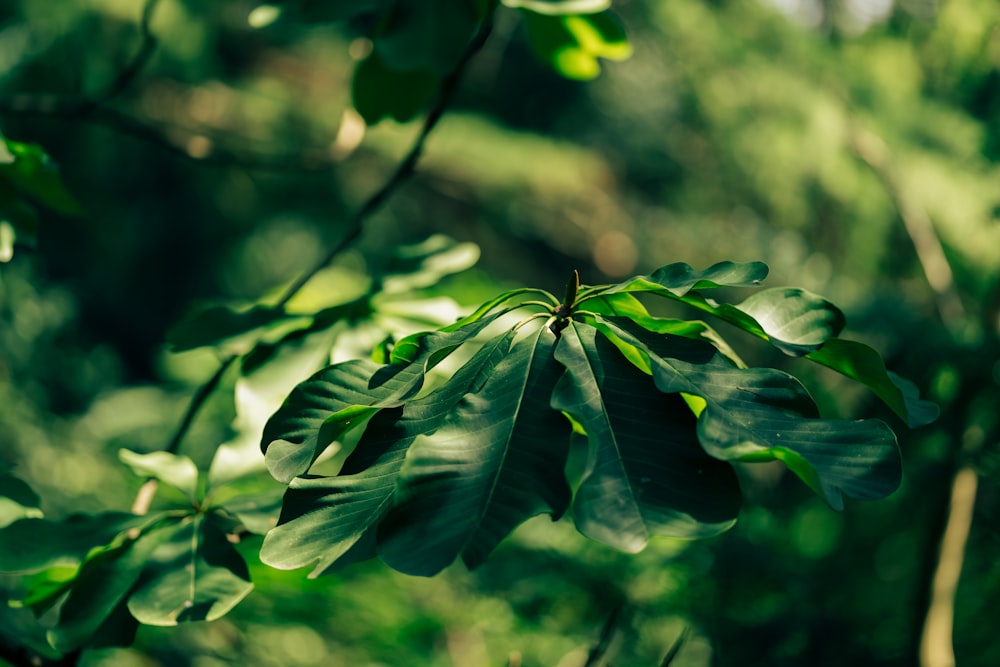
[495, 461]
[426, 263]
[34, 174]
[179, 472]
[194, 574]
[572, 44]
[17, 500]
[558, 7]
[222, 324]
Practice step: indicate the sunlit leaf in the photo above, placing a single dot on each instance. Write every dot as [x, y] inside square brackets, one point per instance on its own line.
[556, 7]
[426, 263]
[177, 471]
[17, 500]
[573, 44]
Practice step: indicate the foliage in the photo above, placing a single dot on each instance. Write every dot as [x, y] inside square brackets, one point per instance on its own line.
[394, 426]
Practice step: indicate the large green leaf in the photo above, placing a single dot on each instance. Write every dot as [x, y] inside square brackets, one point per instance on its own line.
[327, 520]
[760, 414]
[863, 364]
[648, 475]
[496, 460]
[194, 574]
[343, 396]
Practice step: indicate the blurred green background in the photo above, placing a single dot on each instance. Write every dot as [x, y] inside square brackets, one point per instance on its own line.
[852, 145]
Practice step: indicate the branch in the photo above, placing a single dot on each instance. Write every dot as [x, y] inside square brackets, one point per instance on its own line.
[406, 168]
[142, 57]
[936, 644]
[930, 252]
[403, 173]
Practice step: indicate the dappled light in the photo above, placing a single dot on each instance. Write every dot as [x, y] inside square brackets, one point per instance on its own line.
[537, 333]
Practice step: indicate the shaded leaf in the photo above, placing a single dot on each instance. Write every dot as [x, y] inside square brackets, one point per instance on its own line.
[223, 324]
[194, 574]
[329, 520]
[31, 545]
[495, 461]
[99, 592]
[648, 474]
[426, 35]
[17, 500]
[760, 414]
[863, 364]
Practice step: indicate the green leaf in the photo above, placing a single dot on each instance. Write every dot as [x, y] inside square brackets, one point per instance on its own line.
[216, 325]
[764, 414]
[680, 278]
[794, 320]
[425, 264]
[557, 7]
[34, 174]
[573, 43]
[863, 364]
[194, 574]
[98, 594]
[381, 92]
[32, 545]
[496, 461]
[179, 472]
[329, 521]
[17, 500]
[648, 474]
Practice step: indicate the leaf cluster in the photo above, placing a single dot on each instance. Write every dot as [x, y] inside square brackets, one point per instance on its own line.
[588, 405]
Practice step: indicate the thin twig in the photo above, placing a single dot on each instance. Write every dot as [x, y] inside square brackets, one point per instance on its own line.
[131, 72]
[930, 252]
[406, 168]
[403, 172]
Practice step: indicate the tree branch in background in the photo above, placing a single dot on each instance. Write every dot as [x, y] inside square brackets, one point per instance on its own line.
[131, 72]
[403, 173]
[936, 643]
[930, 252]
[937, 634]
